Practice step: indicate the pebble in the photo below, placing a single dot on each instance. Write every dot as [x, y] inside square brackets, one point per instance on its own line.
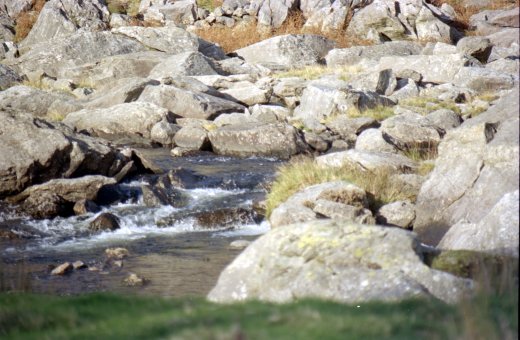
[62, 269]
[117, 253]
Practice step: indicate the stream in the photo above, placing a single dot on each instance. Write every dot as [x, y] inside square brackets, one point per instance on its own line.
[169, 246]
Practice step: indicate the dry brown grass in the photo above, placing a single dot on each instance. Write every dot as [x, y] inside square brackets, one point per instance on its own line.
[26, 20]
[242, 35]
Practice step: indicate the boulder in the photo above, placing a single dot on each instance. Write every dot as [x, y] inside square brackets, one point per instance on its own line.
[365, 160]
[85, 206]
[193, 138]
[61, 18]
[8, 77]
[322, 99]
[189, 104]
[384, 20]
[25, 160]
[436, 69]
[287, 51]
[484, 79]
[399, 214]
[244, 140]
[121, 91]
[184, 64]
[327, 17]
[303, 206]
[372, 140]
[334, 260]
[477, 47]
[13, 8]
[74, 50]
[46, 206]
[26, 99]
[105, 222]
[491, 234]
[476, 168]
[409, 131]
[70, 189]
[249, 95]
[272, 13]
[356, 54]
[107, 72]
[128, 119]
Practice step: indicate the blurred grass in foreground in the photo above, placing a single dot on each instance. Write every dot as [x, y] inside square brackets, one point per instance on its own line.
[106, 316]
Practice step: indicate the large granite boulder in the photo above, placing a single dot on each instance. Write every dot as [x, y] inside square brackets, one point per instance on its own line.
[8, 77]
[341, 199]
[334, 260]
[384, 20]
[356, 54]
[243, 140]
[287, 51]
[273, 13]
[107, 71]
[184, 64]
[39, 103]
[74, 50]
[60, 18]
[128, 119]
[187, 103]
[33, 151]
[474, 181]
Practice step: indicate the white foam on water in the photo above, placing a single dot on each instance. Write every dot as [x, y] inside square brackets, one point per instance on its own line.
[246, 230]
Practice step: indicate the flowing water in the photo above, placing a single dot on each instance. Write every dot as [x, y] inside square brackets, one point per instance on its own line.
[168, 245]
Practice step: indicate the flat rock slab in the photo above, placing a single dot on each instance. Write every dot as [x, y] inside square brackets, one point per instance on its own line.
[244, 140]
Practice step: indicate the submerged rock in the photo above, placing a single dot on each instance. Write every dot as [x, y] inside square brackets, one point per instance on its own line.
[104, 222]
[62, 269]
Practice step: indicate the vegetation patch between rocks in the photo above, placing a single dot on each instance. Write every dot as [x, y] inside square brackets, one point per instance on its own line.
[108, 316]
[302, 173]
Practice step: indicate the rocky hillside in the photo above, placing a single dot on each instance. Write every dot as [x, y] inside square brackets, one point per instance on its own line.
[415, 130]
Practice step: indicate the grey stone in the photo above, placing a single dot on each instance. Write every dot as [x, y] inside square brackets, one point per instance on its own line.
[353, 55]
[25, 160]
[477, 47]
[287, 51]
[484, 79]
[495, 233]
[193, 138]
[105, 222]
[184, 64]
[411, 131]
[128, 119]
[335, 210]
[186, 103]
[8, 77]
[400, 214]
[477, 165]
[74, 50]
[337, 261]
[61, 18]
[271, 140]
[372, 140]
[433, 68]
[365, 160]
[300, 206]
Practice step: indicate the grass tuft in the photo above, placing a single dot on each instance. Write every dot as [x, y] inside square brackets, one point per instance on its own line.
[210, 5]
[302, 173]
[317, 71]
[378, 113]
[428, 104]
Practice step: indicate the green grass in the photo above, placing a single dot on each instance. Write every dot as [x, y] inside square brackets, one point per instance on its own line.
[129, 7]
[318, 71]
[105, 316]
[428, 104]
[302, 173]
[378, 113]
[210, 5]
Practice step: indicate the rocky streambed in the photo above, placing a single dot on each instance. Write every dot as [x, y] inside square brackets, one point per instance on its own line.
[178, 249]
